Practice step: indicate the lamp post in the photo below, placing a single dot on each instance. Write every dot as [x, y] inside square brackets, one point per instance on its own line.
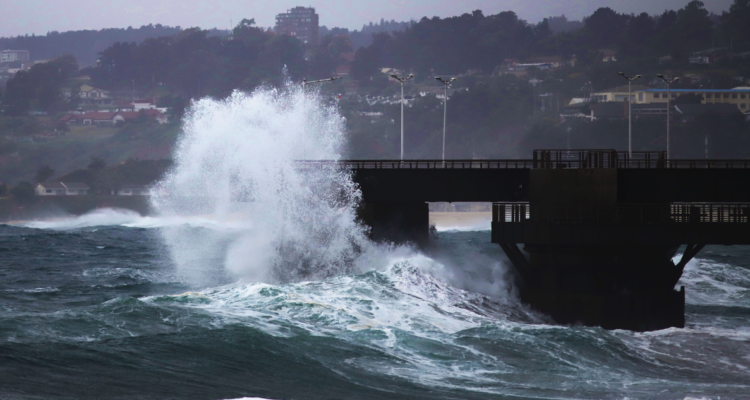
[630, 120]
[445, 106]
[669, 99]
[402, 80]
[305, 82]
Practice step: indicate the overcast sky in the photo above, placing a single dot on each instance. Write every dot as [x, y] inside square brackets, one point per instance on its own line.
[21, 17]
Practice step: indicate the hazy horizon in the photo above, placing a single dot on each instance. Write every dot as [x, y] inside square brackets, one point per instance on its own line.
[41, 16]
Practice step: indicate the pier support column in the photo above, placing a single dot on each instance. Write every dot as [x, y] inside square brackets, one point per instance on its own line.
[585, 257]
[615, 287]
[397, 222]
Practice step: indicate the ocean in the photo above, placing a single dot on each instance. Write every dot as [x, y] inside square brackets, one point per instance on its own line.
[93, 310]
[251, 277]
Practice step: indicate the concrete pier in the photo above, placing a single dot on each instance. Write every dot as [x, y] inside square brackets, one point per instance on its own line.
[591, 233]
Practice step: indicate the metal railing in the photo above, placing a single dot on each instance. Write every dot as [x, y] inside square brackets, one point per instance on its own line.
[592, 161]
[606, 158]
[595, 158]
[702, 164]
[622, 213]
[424, 164]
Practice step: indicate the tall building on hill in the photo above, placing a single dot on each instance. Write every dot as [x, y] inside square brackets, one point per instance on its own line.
[299, 22]
[14, 55]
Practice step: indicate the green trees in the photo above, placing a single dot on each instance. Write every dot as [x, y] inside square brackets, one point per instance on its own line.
[85, 44]
[693, 29]
[43, 173]
[735, 28]
[605, 27]
[38, 89]
[452, 45]
[193, 63]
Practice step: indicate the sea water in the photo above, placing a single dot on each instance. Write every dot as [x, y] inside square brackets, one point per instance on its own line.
[252, 278]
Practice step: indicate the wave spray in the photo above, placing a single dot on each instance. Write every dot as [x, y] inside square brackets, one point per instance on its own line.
[278, 221]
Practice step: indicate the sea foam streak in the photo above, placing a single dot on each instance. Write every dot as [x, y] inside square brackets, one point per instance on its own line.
[237, 162]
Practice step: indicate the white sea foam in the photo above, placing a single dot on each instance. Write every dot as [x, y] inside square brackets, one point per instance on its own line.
[131, 219]
[713, 283]
[237, 163]
[98, 217]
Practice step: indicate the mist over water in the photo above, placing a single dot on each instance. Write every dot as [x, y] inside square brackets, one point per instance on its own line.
[236, 164]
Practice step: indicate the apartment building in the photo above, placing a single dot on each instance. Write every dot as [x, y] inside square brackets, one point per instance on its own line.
[14, 55]
[739, 96]
[299, 22]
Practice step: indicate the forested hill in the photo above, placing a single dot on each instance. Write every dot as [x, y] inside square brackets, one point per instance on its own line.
[363, 37]
[482, 42]
[86, 45]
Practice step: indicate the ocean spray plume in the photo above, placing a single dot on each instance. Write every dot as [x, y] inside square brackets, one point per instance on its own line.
[238, 162]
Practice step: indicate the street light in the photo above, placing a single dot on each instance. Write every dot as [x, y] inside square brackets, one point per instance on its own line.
[445, 106]
[669, 99]
[630, 106]
[402, 80]
[305, 82]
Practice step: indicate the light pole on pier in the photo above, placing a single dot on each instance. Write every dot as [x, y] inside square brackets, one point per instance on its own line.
[305, 82]
[402, 80]
[445, 83]
[630, 114]
[669, 99]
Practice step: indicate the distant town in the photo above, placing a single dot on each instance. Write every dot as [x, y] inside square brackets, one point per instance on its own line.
[78, 104]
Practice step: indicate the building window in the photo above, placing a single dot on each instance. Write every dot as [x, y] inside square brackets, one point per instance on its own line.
[50, 191]
[709, 95]
[742, 96]
[656, 95]
[726, 95]
[640, 96]
[742, 105]
[734, 95]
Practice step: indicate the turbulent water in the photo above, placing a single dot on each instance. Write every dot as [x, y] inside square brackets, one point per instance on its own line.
[252, 279]
[89, 311]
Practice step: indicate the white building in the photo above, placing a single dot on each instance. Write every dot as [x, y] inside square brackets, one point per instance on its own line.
[132, 190]
[14, 55]
[61, 189]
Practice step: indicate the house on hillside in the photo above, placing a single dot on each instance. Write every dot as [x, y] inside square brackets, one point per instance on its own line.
[90, 95]
[739, 96]
[132, 190]
[7, 56]
[61, 189]
[526, 66]
[150, 114]
[343, 70]
[113, 118]
[100, 118]
[708, 56]
[618, 93]
[608, 55]
[553, 61]
[90, 92]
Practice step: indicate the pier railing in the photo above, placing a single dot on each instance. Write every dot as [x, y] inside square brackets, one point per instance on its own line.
[597, 158]
[575, 160]
[425, 164]
[623, 213]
